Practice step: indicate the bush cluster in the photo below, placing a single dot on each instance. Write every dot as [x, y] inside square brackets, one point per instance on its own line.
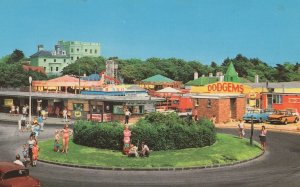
[100, 135]
[159, 131]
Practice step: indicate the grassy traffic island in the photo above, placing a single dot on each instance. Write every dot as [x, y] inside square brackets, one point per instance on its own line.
[227, 149]
[176, 143]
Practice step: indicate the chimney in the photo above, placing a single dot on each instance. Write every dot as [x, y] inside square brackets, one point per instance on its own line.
[256, 79]
[57, 49]
[40, 47]
[195, 75]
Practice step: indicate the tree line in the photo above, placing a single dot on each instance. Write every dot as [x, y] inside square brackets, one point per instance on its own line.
[131, 70]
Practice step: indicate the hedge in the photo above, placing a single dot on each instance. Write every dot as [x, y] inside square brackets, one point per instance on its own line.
[159, 131]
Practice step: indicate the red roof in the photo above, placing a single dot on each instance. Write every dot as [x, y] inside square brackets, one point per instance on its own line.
[34, 68]
[66, 78]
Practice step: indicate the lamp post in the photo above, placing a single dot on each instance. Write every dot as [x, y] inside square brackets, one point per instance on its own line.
[30, 81]
[79, 78]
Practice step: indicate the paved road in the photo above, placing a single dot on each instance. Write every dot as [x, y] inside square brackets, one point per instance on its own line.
[280, 166]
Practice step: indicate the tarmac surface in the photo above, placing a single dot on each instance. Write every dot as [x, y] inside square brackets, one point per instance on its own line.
[279, 166]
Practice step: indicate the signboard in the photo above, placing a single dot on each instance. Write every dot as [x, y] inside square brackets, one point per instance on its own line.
[225, 87]
[78, 108]
[222, 87]
[95, 117]
[8, 102]
[294, 100]
[149, 108]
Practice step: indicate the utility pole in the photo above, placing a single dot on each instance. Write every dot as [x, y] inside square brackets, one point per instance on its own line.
[251, 135]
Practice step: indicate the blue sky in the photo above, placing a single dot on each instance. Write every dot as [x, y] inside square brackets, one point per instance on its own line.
[202, 30]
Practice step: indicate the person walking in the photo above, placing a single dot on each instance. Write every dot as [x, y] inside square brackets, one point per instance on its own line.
[65, 115]
[263, 137]
[241, 129]
[127, 114]
[41, 122]
[30, 143]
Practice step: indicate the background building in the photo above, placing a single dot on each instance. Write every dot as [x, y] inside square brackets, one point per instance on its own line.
[65, 53]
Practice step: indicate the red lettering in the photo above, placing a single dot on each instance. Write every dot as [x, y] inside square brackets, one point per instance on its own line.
[229, 89]
[219, 87]
[241, 88]
[209, 88]
[235, 88]
[214, 87]
[225, 87]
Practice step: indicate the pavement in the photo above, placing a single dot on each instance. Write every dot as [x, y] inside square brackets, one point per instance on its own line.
[5, 117]
[291, 127]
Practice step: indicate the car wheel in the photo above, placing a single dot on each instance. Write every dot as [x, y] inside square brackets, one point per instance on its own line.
[296, 120]
[285, 122]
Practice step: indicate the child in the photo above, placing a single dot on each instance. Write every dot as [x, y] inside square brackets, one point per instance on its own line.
[56, 141]
[35, 153]
[25, 154]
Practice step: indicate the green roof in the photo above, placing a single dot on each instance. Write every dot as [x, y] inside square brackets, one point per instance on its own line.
[158, 78]
[231, 70]
[202, 81]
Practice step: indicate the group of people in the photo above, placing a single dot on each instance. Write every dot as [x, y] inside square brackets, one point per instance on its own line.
[262, 134]
[30, 152]
[130, 149]
[134, 152]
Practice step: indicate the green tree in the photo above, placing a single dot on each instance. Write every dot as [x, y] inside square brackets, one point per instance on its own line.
[16, 56]
[86, 65]
[13, 75]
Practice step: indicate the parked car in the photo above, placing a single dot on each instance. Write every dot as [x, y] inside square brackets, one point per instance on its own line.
[258, 115]
[14, 175]
[283, 116]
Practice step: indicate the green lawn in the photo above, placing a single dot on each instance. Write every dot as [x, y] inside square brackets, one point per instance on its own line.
[227, 149]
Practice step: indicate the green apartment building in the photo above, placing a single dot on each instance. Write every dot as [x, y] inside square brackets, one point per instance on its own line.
[65, 53]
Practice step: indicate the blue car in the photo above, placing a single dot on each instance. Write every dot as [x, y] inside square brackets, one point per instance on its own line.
[258, 115]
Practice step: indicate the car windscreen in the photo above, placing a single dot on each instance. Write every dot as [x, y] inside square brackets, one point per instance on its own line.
[16, 173]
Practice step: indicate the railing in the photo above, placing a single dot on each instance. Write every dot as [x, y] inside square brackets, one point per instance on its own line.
[12, 89]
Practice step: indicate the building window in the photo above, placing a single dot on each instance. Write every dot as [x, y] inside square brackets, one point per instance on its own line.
[277, 99]
[208, 103]
[72, 50]
[77, 57]
[64, 60]
[77, 50]
[71, 58]
[95, 51]
[51, 68]
[54, 60]
[85, 50]
[56, 68]
[91, 51]
[45, 60]
[196, 102]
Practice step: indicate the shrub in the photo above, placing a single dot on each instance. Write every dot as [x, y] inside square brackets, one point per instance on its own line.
[100, 135]
[159, 131]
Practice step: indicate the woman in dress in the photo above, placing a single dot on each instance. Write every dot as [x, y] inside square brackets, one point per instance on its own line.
[126, 140]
